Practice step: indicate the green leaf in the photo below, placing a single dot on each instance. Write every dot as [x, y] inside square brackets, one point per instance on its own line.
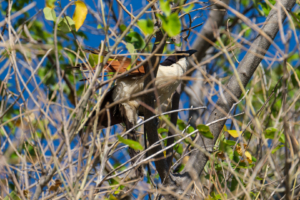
[234, 184]
[99, 26]
[13, 195]
[178, 44]
[222, 146]
[282, 138]
[165, 7]
[247, 135]
[188, 8]
[204, 130]
[230, 142]
[132, 144]
[179, 148]
[265, 8]
[162, 130]
[123, 27]
[147, 26]
[190, 129]
[49, 14]
[171, 24]
[277, 148]
[66, 24]
[93, 59]
[174, 25]
[270, 132]
[50, 3]
[181, 124]
[135, 39]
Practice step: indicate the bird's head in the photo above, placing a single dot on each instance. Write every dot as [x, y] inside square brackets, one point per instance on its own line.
[179, 56]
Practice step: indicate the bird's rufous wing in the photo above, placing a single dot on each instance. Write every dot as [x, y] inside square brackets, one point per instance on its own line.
[119, 64]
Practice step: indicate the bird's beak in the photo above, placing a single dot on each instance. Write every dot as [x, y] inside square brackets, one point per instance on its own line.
[191, 51]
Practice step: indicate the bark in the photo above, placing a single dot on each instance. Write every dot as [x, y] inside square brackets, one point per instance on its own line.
[150, 128]
[202, 44]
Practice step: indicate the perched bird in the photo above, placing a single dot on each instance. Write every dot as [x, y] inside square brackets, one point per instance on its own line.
[167, 80]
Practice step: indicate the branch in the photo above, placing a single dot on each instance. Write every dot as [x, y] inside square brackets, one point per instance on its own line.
[202, 44]
[150, 128]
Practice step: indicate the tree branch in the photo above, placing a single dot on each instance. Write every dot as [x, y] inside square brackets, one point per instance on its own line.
[245, 71]
[214, 21]
[150, 128]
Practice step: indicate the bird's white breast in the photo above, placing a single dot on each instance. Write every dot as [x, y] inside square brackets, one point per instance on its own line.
[167, 80]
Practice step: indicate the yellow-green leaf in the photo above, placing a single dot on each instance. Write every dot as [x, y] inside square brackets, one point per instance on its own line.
[171, 24]
[50, 3]
[146, 26]
[188, 8]
[277, 148]
[132, 144]
[79, 14]
[233, 133]
[165, 7]
[248, 156]
[13, 195]
[49, 14]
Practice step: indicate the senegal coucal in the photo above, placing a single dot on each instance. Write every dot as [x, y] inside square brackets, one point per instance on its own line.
[167, 80]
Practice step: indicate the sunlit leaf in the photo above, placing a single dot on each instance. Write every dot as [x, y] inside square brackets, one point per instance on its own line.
[165, 7]
[49, 14]
[50, 3]
[188, 8]
[132, 144]
[171, 24]
[99, 26]
[248, 156]
[79, 14]
[146, 25]
[234, 133]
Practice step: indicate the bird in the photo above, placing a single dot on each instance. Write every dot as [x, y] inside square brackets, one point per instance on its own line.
[167, 80]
